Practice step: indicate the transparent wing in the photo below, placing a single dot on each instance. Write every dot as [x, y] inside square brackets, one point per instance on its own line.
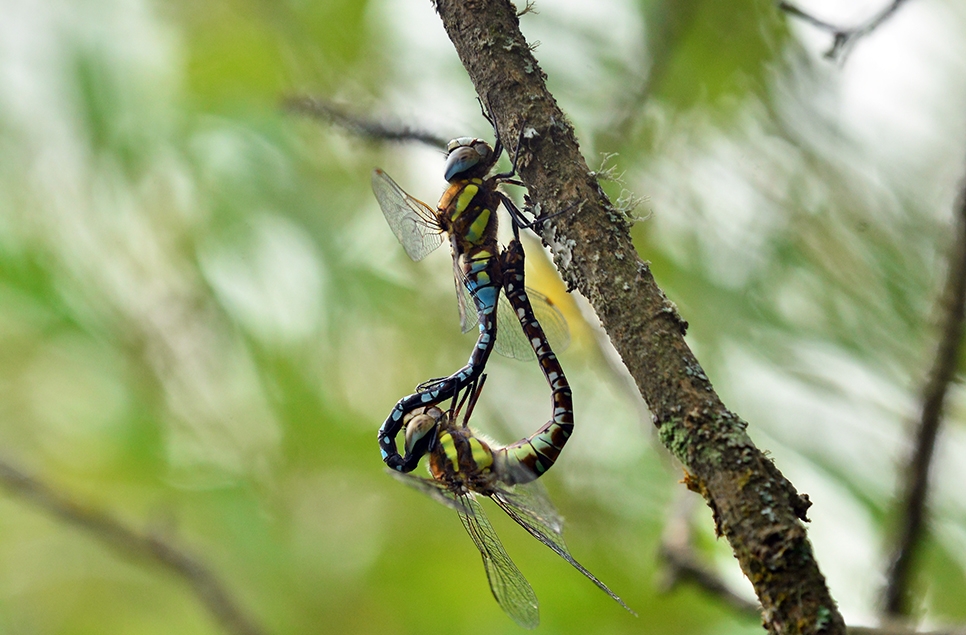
[434, 489]
[512, 342]
[529, 506]
[511, 590]
[413, 222]
[551, 319]
[469, 316]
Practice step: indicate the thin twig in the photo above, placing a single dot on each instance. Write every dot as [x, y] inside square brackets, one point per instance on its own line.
[113, 533]
[913, 499]
[900, 629]
[683, 564]
[844, 38]
[667, 23]
[379, 131]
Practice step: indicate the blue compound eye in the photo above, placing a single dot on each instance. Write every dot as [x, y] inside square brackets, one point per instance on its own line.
[460, 160]
[483, 149]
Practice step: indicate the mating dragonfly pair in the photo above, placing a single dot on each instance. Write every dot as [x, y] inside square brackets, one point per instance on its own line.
[462, 464]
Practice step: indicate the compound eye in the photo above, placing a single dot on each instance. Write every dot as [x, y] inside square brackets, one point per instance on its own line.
[483, 149]
[460, 160]
[421, 433]
[461, 142]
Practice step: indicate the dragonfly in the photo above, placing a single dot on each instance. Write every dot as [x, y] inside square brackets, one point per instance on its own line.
[463, 465]
[529, 458]
[467, 214]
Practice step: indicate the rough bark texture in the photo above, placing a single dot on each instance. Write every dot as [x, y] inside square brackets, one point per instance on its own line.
[754, 506]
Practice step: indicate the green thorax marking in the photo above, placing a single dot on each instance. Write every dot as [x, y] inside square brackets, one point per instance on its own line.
[477, 229]
[447, 447]
[464, 200]
[461, 459]
[481, 454]
[469, 207]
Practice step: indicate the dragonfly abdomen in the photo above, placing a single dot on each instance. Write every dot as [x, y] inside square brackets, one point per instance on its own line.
[478, 268]
[530, 458]
[483, 278]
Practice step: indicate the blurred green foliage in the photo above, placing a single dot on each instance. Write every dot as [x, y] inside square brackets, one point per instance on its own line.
[204, 318]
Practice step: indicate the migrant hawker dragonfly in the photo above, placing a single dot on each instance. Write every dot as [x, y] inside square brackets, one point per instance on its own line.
[464, 465]
[467, 214]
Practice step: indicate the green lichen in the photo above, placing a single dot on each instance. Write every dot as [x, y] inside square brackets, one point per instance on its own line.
[675, 438]
[823, 618]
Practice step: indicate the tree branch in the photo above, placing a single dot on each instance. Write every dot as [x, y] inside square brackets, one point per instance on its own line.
[844, 38]
[754, 506]
[684, 565]
[912, 501]
[110, 531]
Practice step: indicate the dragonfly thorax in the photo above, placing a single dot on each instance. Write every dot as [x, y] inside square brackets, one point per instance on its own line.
[467, 157]
[461, 459]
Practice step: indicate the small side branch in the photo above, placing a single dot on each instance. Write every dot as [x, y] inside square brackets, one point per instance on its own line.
[898, 629]
[916, 483]
[684, 565]
[375, 130]
[844, 38]
[113, 533]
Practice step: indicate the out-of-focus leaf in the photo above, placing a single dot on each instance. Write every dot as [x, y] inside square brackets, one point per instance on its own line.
[719, 52]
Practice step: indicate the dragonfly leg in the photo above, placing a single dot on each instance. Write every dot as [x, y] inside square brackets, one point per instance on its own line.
[490, 119]
[428, 385]
[470, 397]
[506, 177]
[498, 147]
[540, 220]
[519, 220]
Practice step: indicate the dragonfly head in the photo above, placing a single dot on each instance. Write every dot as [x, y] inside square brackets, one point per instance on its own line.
[464, 154]
[421, 427]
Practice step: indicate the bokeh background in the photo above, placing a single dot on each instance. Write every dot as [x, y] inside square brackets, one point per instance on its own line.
[204, 317]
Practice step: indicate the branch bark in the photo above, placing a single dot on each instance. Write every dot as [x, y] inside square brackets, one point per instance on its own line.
[754, 506]
[682, 563]
[113, 533]
[912, 500]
